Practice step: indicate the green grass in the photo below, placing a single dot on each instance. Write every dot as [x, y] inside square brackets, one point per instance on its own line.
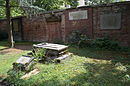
[3, 44]
[6, 61]
[85, 68]
[78, 71]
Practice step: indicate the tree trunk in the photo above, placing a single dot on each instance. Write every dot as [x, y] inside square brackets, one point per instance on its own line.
[9, 27]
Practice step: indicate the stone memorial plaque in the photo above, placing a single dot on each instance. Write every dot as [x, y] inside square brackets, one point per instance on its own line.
[110, 21]
[24, 60]
[78, 15]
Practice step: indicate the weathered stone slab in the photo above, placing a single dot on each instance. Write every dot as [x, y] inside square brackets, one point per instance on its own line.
[51, 46]
[24, 60]
[58, 60]
[110, 21]
[23, 63]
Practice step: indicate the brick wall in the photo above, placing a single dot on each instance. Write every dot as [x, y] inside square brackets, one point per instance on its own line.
[34, 29]
[3, 25]
[3, 30]
[45, 27]
[57, 26]
[122, 34]
[83, 25]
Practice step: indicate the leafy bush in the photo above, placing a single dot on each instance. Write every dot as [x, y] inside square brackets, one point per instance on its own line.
[77, 38]
[106, 43]
[39, 54]
[14, 78]
[74, 37]
[84, 41]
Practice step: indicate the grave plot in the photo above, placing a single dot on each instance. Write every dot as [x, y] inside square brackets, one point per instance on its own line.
[24, 63]
[48, 51]
[55, 52]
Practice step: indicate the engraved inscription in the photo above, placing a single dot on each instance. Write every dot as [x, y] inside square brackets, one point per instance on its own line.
[78, 15]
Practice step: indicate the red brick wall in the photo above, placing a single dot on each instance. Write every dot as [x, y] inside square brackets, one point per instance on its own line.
[3, 30]
[84, 25]
[128, 23]
[122, 34]
[40, 30]
[34, 29]
[54, 31]
[3, 25]
[37, 29]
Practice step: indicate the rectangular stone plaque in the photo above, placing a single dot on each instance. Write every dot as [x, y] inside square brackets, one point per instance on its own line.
[110, 21]
[78, 15]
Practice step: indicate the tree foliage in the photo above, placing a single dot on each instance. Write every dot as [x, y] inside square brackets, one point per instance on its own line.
[72, 3]
[49, 4]
[45, 4]
[15, 11]
[95, 2]
[55, 4]
[2, 12]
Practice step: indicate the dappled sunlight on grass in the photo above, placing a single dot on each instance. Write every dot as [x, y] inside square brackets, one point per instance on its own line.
[100, 73]
[6, 61]
[87, 67]
[78, 71]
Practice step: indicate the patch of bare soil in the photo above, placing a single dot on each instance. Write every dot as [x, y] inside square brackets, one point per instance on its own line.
[11, 51]
[31, 73]
[23, 47]
[17, 49]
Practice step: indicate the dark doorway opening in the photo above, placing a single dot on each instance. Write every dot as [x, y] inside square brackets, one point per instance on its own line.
[17, 29]
[3, 35]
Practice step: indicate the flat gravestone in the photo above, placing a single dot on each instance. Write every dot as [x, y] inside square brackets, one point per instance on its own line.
[24, 60]
[53, 51]
[51, 46]
[23, 63]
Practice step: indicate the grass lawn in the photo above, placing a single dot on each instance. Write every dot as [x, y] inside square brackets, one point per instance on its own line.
[87, 67]
[3, 45]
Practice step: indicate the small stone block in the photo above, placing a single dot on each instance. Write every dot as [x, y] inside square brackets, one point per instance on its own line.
[24, 60]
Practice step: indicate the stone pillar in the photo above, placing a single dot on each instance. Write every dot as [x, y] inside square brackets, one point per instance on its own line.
[63, 32]
[47, 31]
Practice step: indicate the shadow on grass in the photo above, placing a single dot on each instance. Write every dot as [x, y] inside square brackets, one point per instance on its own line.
[18, 45]
[103, 74]
[115, 56]
[100, 75]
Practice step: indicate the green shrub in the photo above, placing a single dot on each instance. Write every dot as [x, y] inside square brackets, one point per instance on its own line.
[114, 45]
[106, 43]
[84, 41]
[74, 37]
[39, 54]
[77, 38]
[81, 40]
[13, 78]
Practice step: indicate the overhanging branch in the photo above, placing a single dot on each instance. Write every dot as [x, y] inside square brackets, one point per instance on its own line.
[16, 6]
